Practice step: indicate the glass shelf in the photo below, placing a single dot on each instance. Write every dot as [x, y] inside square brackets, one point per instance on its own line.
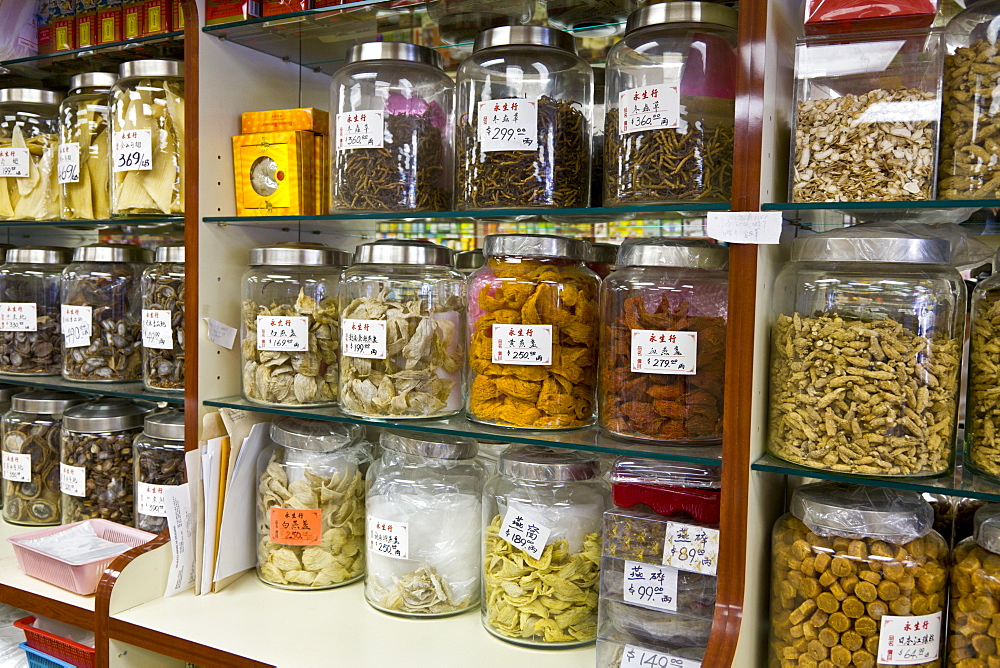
[133, 390]
[160, 225]
[831, 214]
[589, 439]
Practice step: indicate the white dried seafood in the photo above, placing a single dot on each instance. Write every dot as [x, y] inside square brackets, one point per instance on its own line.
[422, 592]
[36, 196]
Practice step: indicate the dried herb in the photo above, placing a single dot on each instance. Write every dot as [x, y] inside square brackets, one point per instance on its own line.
[107, 458]
[983, 428]
[156, 465]
[163, 290]
[116, 337]
[35, 502]
[974, 592]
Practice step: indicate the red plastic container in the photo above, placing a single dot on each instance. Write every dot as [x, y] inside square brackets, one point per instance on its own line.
[834, 17]
[55, 646]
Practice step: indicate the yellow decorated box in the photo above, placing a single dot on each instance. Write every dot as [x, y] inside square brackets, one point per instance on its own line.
[274, 173]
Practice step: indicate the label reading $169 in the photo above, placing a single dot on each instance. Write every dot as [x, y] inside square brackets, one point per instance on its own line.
[69, 162]
[283, 333]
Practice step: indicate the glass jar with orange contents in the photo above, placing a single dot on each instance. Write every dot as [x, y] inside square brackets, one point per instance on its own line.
[975, 594]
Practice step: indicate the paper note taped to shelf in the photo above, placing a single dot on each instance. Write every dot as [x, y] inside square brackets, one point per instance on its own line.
[16, 467]
[690, 547]
[508, 125]
[133, 151]
[18, 317]
[69, 162]
[72, 480]
[650, 586]
[76, 326]
[909, 640]
[388, 538]
[220, 334]
[640, 657]
[157, 331]
[744, 227]
[524, 532]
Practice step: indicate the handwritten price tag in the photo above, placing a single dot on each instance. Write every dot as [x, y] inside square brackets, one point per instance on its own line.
[640, 657]
[905, 641]
[290, 526]
[133, 151]
[149, 500]
[522, 344]
[388, 538]
[18, 317]
[76, 326]
[524, 532]
[69, 163]
[650, 586]
[72, 480]
[673, 353]
[363, 338]
[744, 227]
[508, 125]
[283, 333]
[16, 466]
[157, 331]
[691, 548]
[649, 108]
[360, 129]
[15, 163]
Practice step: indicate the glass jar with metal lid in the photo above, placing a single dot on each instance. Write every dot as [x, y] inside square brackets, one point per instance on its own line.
[31, 435]
[866, 348]
[663, 342]
[311, 504]
[159, 466]
[975, 592]
[468, 261]
[30, 338]
[982, 420]
[96, 459]
[85, 147]
[403, 343]
[392, 138]
[524, 106]
[147, 147]
[101, 313]
[290, 334]
[7, 393]
[424, 526]
[533, 333]
[851, 566]
[29, 137]
[163, 320]
[601, 258]
[543, 512]
[671, 106]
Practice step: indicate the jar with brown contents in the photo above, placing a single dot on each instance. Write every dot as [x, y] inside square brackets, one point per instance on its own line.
[848, 561]
[974, 627]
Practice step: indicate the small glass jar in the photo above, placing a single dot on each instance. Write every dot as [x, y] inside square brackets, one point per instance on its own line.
[975, 593]
[424, 525]
[533, 333]
[29, 137]
[85, 147]
[147, 148]
[101, 313]
[663, 347]
[524, 106]
[290, 334]
[671, 106]
[866, 348]
[31, 435]
[402, 314]
[392, 139]
[159, 465]
[542, 511]
[30, 337]
[96, 470]
[848, 561]
[163, 321]
[311, 504]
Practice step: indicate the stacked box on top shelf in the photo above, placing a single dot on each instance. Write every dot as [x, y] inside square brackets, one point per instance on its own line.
[109, 21]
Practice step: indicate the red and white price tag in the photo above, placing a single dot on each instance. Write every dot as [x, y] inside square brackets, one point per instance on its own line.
[15, 163]
[508, 125]
[649, 108]
[69, 162]
[388, 539]
[77, 327]
[360, 129]
[18, 317]
[283, 333]
[362, 338]
[16, 466]
[133, 151]
[522, 344]
[656, 351]
[905, 641]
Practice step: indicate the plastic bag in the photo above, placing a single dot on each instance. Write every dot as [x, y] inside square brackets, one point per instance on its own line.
[77, 545]
[18, 29]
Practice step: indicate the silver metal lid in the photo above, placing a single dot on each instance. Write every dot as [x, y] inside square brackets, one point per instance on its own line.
[315, 435]
[92, 80]
[173, 253]
[682, 12]
[46, 402]
[40, 255]
[524, 35]
[415, 443]
[403, 251]
[856, 511]
[470, 260]
[30, 96]
[694, 254]
[535, 245]
[541, 464]
[295, 253]
[7, 392]
[112, 253]
[405, 51]
[168, 425]
[106, 414]
[151, 68]
[986, 531]
[602, 253]
[871, 244]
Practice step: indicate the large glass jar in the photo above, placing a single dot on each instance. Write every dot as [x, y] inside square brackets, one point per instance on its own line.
[163, 320]
[524, 108]
[662, 356]
[85, 147]
[392, 135]
[311, 504]
[975, 594]
[424, 525]
[866, 348]
[101, 313]
[982, 430]
[30, 337]
[852, 564]
[147, 147]
[671, 106]
[533, 332]
[159, 465]
[31, 437]
[95, 473]
[29, 137]
[290, 333]
[403, 342]
[543, 513]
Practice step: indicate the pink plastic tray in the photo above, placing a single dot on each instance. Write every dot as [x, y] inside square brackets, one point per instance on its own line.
[78, 578]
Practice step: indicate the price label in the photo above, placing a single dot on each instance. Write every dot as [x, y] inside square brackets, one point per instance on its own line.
[362, 338]
[283, 333]
[905, 641]
[388, 538]
[150, 499]
[18, 317]
[157, 331]
[133, 151]
[76, 326]
[508, 125]
[658, 351]
[650, 586]
[15, 163]
[640, 657]
[524, 532]
[360, 129]
[522, 344]
[295, 526]
[744, 227]
[16, 466]
[72, 480]
[691, 548]
[69, 163]
[649, 108]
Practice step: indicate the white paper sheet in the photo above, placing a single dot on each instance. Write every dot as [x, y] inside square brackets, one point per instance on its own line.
[180, 523]
[238, 535]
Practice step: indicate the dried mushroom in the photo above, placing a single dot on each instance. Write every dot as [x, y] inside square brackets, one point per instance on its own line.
[983, 428]
[107, 459]
[163, 368]
[37, 353]
[116, 338]
[156, 466]
[35, 196]
[422, 592]
[37, 501]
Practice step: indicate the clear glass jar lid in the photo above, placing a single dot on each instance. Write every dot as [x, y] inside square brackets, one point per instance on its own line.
[92, 80]
[526, 36]
[862, 243]
[112, 253]
[40, 255]
[541, 464]
[168, 425]
[403, 251]
[682, 12]
[469, 260]
[299, 253]
[31, 96]
[151, 68]
[694, 254]
[535, 245]
[404, 51]
[602, 253]
[46, 402]
[413, 443]
[173, 254]
[859, 511]
[106, 414]
[7, 392]
[643, 471]
[986, 531]
[315, 435]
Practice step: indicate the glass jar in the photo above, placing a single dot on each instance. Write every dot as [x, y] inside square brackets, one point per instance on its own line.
[159, 465]
[663, 342]
[543, 513]
[85, 147]
[29, 137]
[101, 313]
[147, 149]
[982, 418]
[31, 437]
[424, 506]
[461, 20]
[96, 462]
[311, 504]
[163, 321]
[30, 338]
[671, 106]
[876, 316]
[392, 145]
[975, 593]
[402, 311]
[468, 261]
[848, 563]
[601, 259]
[290, 334]
[523, 137]
[596, 18]
[533, 333]
[7, 393]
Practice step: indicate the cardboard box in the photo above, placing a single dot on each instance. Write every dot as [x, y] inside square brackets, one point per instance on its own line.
[156, 17]
[278, 120]
[43, 26]
[86, 23]
[274, 173]
[227, 11]
[276, 7]
[63, 23]
[132, 19]
[109, 21]
[178, 15]
[323, 186]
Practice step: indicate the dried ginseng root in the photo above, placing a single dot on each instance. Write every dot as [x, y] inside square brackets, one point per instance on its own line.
[983, 426]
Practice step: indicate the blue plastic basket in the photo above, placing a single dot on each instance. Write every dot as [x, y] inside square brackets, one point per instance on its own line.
[37, 659]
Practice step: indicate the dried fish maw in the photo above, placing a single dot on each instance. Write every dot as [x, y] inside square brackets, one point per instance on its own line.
[6, 207]
[518, 389]
[25, 185]
[518, 413]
